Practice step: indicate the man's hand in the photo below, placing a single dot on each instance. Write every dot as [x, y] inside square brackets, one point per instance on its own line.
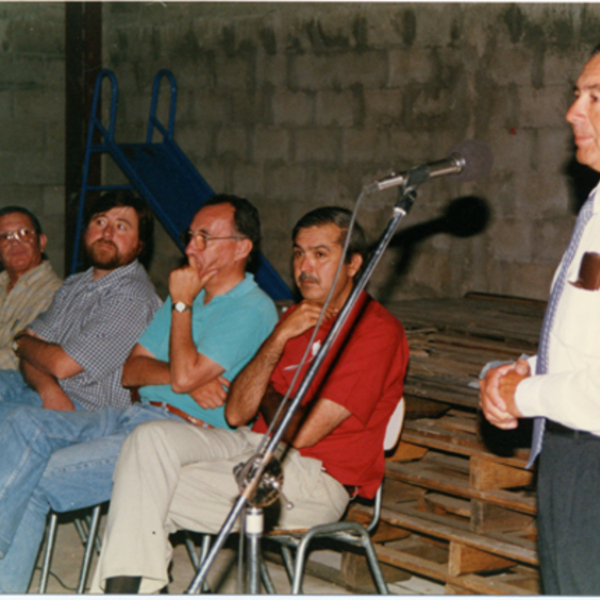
[302, 319]
[187, 282]
[497, 393]
[211, 395]
[52, 395]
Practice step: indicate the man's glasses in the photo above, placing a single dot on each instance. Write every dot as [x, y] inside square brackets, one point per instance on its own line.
[202, 239]
[22, 235]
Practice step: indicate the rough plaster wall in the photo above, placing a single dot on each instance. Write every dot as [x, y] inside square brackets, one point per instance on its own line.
[32, 84]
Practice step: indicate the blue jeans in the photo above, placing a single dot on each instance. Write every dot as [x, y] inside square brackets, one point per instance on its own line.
[62, 460]
[14, 392]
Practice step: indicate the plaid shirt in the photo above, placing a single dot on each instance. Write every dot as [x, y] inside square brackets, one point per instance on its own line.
[97, 324]
[30, 296]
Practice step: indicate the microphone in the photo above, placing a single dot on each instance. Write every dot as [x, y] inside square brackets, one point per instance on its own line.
[468, 160]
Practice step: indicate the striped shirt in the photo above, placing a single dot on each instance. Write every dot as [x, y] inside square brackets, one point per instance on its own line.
[97, 324]
[30, 296]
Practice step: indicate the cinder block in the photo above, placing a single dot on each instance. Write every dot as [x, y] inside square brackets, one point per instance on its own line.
[310, 72]
[249, 107]
[369, 144]
[236, 72]
[317, 145]
[410, 65]
[287, 183]
[270, 143]
[7, 172]
[365, 68]
[552, 239]
[334, 108]
[271, 69]
[504, 234]
[293, 108]
[383, 107]
[41, 168]
[248, 180]
[53, 198]
[544, 107]
[232, 143]
[41, 35]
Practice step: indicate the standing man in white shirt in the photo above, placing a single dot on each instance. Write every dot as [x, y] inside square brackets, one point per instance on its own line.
[560, 387]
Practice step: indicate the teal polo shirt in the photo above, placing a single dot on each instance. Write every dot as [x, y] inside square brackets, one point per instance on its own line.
[228, 330]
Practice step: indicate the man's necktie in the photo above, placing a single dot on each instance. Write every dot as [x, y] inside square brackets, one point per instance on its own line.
[539, 423]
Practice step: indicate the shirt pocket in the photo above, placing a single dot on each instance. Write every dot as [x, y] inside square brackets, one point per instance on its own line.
[577, 323]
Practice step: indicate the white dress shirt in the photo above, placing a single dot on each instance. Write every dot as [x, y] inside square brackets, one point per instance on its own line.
[570, 392]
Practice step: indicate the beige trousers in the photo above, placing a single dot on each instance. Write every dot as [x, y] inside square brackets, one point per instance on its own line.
[173, 476]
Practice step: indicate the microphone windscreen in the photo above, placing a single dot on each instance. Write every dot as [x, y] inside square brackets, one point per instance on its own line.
[478, 159]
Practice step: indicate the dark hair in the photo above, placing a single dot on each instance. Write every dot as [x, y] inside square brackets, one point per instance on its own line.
[340, 217]
[596, 50]
[246, 221]
[117, 198]
[7, 210]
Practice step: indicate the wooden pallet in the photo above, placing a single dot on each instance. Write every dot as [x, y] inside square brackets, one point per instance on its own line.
[443, 548]
[459, 504]
[461, 476]
[451, 340]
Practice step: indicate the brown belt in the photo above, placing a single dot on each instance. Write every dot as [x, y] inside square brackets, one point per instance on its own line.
[183, 415]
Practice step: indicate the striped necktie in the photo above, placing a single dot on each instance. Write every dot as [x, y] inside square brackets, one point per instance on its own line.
[585, 214]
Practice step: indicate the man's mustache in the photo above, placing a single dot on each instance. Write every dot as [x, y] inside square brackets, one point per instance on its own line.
[101, 241]
[306, 277]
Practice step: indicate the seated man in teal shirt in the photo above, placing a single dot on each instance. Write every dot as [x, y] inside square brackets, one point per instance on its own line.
[208, 329]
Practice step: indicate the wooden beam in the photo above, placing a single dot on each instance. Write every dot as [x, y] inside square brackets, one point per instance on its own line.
[83, 61]
[490, 475]
[466, 559]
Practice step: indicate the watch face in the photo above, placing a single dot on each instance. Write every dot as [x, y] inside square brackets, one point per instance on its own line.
[181, 306]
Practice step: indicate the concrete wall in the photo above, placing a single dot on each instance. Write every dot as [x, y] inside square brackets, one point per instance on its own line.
[32, 84]
[299, 105]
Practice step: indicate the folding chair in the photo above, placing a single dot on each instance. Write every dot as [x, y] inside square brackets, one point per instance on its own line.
[348, 532]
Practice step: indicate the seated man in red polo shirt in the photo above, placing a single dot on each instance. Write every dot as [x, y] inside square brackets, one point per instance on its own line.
[172, 476]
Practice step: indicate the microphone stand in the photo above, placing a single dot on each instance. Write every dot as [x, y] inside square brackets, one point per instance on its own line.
[258, 463]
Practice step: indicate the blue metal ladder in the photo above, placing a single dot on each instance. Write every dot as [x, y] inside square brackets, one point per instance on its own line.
[160, 173]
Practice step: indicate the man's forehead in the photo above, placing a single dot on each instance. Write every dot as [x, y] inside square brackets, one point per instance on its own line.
[212, 215]
[590, 75]
[122, 213]
[17, 218]
[328, 234]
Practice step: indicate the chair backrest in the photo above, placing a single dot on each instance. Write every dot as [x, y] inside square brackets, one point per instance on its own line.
[394, 426]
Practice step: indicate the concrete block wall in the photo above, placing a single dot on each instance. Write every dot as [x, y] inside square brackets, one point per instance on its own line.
[299, 105]
[32, 84]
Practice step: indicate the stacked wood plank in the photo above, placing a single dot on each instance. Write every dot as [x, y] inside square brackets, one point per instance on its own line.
[459, 505]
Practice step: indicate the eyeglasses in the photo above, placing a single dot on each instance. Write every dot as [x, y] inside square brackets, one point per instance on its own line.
[23, 235]
[188, 236]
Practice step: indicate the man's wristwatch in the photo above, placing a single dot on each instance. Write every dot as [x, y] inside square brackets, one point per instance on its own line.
[181, 307]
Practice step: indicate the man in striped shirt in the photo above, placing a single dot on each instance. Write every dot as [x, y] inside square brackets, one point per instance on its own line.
[28, 281]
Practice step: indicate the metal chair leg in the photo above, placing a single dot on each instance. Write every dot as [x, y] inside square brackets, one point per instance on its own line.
[50, 539]
[91, 541]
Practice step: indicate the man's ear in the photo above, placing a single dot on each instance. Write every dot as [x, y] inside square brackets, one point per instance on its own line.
[43, 241]
[355, 264]
[244, 247]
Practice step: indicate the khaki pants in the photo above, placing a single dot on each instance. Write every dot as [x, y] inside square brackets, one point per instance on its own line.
[173, 476]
